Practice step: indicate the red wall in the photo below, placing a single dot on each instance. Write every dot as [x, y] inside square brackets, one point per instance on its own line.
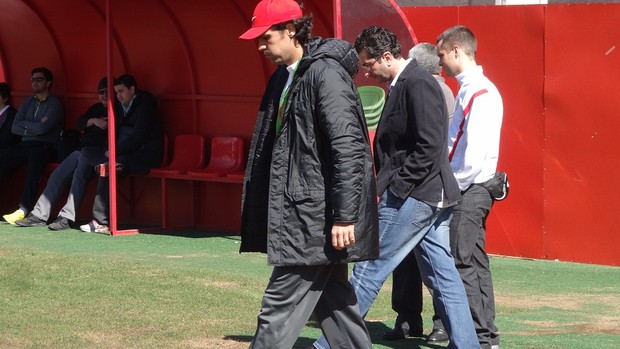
[556, 67]
[186, 52]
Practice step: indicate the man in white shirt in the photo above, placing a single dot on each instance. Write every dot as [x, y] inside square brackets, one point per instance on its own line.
[473, 141]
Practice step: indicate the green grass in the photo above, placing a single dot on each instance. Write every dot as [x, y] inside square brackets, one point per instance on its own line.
[194, 290]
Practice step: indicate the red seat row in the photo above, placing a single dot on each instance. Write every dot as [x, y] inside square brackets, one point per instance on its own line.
[226, 159]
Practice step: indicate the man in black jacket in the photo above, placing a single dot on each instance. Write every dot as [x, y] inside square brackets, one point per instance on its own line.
[309, 195]
[416, 185]
[139, 144]
[7, 115]
[72, 172]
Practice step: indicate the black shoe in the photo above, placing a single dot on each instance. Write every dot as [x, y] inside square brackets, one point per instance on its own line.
[438, 335]
[31, 221]
[394, 334]
[61, 223]
[400, 329]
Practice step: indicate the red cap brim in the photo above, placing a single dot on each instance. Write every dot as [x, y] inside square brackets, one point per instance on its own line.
[254, 32]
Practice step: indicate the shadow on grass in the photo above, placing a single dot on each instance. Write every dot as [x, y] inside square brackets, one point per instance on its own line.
[191, 233]
[196, 234]
[376, 330]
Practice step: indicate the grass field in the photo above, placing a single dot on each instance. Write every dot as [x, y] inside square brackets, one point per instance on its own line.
[194, 290]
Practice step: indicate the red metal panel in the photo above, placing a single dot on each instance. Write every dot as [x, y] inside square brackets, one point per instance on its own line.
[504, 35]
[582, 68]
[508, 36]
[19, 24]
[210, 83]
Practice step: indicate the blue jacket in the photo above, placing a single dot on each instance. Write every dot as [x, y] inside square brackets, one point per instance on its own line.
[41, 122]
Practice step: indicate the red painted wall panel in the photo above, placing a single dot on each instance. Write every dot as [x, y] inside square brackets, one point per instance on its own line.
[554, 66]
[185, 52]
[558, 123]
[515, 225]
[582, 67]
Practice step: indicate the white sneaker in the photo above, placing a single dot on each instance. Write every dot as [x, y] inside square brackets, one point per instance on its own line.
[94, 227]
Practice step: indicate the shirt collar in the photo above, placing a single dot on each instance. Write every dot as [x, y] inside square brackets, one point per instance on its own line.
[393, 82]
[126, 109]
[473, 71]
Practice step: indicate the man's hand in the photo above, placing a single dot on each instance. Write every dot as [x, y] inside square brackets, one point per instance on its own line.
[99, 122]
[343, 236]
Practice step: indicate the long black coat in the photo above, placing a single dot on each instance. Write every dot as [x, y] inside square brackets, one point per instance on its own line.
[7, 137]
[317, 171]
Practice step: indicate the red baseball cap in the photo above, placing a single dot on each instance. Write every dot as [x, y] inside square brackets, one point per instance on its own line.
[270, 12]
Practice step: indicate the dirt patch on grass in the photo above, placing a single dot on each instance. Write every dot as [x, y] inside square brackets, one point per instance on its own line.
[560, 301]
[603, 321]
[220, 284]
[220, 343]
[104, 339]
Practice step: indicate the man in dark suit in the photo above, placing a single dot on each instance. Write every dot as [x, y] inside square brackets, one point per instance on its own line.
[415, 183]
[139, 145]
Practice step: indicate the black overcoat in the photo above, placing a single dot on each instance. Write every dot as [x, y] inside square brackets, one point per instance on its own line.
[317, 171]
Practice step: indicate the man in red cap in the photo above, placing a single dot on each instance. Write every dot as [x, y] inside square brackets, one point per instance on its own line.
[309, 196]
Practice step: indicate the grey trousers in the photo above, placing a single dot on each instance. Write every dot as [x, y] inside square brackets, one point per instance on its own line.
[294, 293]
[71, 171]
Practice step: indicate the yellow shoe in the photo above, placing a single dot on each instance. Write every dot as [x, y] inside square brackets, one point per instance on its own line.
[15, 216]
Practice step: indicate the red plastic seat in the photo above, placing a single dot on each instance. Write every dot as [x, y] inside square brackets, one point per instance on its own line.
[227, 156]
[188, 154]
[239, 176]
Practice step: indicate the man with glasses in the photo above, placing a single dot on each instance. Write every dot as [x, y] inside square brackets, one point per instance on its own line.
[415, 183]
[39, 122]
[71, 171]
[406, 280]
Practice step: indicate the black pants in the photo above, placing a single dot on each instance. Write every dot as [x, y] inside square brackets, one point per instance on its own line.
[35, 155]
[407, 294]
[467, 240]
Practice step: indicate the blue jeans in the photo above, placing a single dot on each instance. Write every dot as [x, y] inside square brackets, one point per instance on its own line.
[406, 225]
[73, 171]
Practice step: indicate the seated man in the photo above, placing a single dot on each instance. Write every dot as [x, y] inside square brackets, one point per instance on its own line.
[39, 122]
[94, 123]
[139, 144]
[7, 115]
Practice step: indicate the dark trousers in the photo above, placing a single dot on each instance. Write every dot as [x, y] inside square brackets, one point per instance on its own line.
[35, 155]
[133, 163]
[407, 294]
[294, 293]
[467, 240]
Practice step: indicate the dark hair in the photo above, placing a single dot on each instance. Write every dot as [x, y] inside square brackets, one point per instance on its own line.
[462, 36]
[5, 90]
[303, 29]
[47, 74]
[376, 40]
[103, 84]
[126, 80]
